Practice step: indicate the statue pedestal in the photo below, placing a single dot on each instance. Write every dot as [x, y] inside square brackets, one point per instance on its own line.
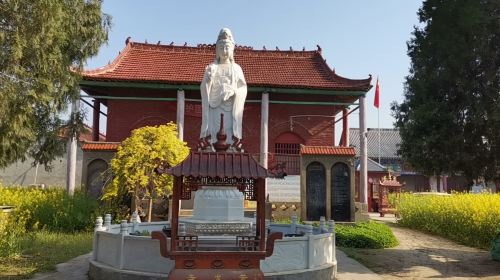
[218, 204]
[218, 211]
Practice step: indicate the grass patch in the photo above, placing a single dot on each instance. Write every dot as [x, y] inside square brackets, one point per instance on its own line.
[42, 250]
[371, 235]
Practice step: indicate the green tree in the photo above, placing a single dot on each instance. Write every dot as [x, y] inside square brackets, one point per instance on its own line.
[40, 42]
[449, 120]
[134, 165]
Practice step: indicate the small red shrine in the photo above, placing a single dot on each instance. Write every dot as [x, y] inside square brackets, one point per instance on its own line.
[387, 185]
[212, 259]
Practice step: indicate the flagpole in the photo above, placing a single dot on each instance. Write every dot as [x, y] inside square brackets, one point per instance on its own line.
[378, 120]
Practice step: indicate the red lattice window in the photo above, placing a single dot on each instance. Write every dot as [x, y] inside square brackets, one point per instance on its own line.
[287, 148]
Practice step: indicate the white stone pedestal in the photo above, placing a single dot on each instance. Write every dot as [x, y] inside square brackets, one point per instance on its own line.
[218, 204]
[218, 211]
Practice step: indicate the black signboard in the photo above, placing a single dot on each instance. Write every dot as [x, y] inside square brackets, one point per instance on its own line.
[341, 192]
[315, 191]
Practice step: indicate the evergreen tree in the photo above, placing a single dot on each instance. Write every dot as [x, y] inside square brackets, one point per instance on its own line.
[43, 45]
[449, 120]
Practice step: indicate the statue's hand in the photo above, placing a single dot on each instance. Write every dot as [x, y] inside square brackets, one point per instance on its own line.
[228, 92]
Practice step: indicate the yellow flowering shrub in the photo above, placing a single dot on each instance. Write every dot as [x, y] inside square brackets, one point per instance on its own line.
[51, 209]
[139, 155]
[470, 219]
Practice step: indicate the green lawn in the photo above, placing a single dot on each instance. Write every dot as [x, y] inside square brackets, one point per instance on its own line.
[42, 250]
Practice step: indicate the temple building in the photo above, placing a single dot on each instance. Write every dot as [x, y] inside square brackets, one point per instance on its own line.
[294, 98]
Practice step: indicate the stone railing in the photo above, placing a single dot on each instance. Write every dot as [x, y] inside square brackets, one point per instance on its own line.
[305, 250]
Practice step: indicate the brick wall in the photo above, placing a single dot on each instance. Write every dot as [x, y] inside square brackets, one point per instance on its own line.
[126, 115]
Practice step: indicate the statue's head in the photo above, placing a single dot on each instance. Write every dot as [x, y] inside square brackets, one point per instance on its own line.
[225, 45]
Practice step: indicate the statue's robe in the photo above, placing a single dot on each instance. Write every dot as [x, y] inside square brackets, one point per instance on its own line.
[223, 90]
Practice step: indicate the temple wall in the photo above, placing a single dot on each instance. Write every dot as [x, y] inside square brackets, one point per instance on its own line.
[126, 115]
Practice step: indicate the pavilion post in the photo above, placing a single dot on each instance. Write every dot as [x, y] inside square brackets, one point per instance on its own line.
[180, 113]
[174, 223]
[363, 174]
[264, 125]
[95, 120]
[261, 212]
[333, 130]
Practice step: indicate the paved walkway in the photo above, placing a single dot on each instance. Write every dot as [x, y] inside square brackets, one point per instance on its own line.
[75, 269]
[350, 269]
[424, 256]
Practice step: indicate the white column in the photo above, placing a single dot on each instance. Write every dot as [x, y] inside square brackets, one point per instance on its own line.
[180, 113]
[363, 157]
[72, 147]
[264, 123]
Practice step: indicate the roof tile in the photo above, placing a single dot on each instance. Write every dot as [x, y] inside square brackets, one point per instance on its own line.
[100, 146]
[390, 140]
[222, 165]
[140, 62]
[327, 150]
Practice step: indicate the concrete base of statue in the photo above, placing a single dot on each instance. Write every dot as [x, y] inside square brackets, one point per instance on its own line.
[218, 211]
[218, 204]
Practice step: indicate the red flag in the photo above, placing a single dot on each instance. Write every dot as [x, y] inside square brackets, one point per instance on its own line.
[376, 102]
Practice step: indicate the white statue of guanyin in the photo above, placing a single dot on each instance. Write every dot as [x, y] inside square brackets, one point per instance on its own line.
[223, 91]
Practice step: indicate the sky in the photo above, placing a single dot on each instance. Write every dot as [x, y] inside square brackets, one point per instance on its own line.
[357, 37]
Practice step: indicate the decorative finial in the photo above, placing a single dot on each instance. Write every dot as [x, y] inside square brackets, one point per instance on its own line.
[303, 49]
[158, 42]
[220, 145]
[185, 44]
[145, 41]
[291, 49]
[172, 43]
[319, 48]
[127, 40]
[277, 48]
[264, 48]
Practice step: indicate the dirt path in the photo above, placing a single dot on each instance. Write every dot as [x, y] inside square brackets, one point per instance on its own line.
[423, 256]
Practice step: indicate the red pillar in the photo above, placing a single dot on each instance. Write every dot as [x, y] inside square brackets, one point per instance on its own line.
[333, 128]
[345, 127]
[95, 121]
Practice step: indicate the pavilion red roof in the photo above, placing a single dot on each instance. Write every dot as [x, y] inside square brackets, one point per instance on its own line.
[100, 146]
[327, 150]
[170, 64]
[210, 164]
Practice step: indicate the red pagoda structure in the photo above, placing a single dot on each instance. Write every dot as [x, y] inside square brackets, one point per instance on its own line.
[294, 98]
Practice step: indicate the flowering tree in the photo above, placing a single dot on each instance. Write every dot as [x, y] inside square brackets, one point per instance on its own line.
[138, 157]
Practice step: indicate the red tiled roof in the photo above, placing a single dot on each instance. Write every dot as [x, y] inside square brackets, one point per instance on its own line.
[390, 182]
[230, 165]
[171, 64]
[327, 150]
[100, 146]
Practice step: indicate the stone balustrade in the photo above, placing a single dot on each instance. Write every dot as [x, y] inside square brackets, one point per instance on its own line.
[118, 252]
